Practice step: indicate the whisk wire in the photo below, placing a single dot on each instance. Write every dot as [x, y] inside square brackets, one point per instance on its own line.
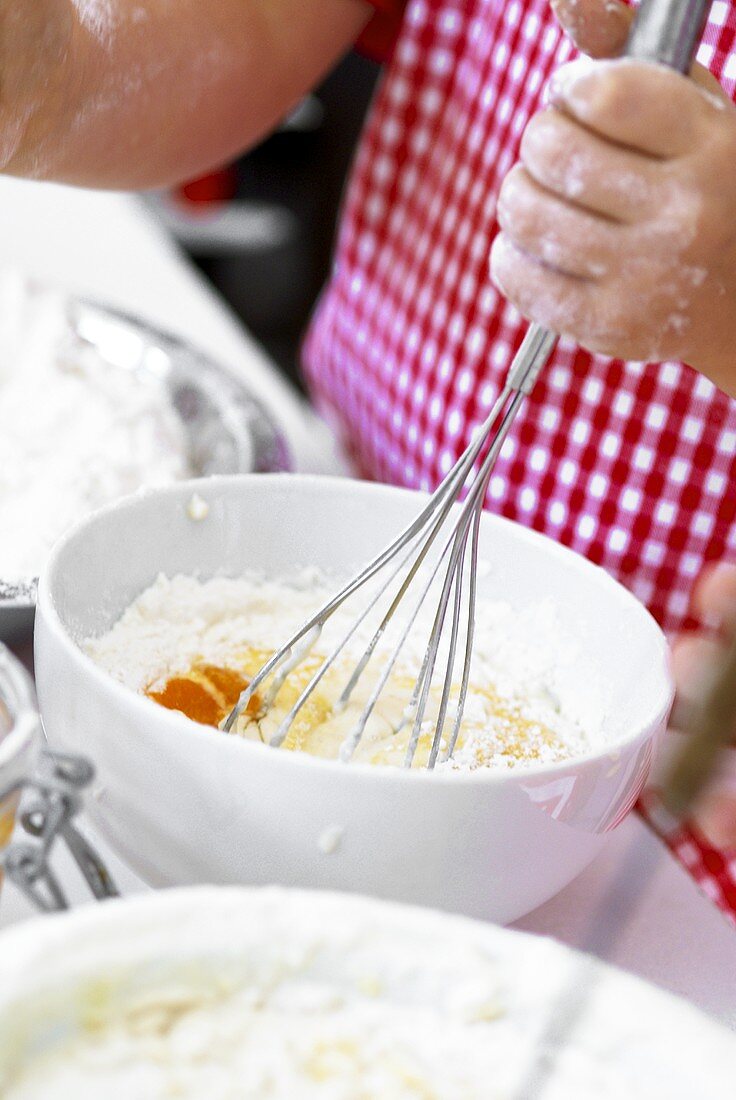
[280, 735]
[450, 667]
[421, 694]
[417, 539]
[450, 486]
[473, 501]
[351, 742]
[469, 636]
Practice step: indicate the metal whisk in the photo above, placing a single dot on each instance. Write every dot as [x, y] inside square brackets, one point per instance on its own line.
[666, 31]
[406, 555]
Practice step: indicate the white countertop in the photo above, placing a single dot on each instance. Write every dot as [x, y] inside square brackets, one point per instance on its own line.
[106, 245]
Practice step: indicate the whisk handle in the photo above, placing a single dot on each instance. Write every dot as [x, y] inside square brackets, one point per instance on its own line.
[535, 350]
[667, 31]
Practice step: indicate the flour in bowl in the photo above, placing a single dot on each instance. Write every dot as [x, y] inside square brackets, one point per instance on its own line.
[75, 432]
[194, 645]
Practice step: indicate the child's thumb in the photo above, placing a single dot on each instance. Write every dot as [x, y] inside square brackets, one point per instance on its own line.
[599, 28]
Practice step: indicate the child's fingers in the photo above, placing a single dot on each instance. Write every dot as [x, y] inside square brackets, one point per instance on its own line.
[635, 104]
[584, 309]
[716, 819]
[556, 300]
[597, 27]
[693, 658]
[714, 599]
[585, 169]
[600, 28]
[562, 236]
[715, 815]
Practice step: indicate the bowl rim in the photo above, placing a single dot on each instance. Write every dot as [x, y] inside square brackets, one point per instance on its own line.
[145, 709]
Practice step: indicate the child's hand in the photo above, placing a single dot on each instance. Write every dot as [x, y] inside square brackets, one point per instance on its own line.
[714, 602]
[619, 224]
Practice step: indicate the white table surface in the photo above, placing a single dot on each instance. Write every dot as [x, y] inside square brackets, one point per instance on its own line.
[106, 245]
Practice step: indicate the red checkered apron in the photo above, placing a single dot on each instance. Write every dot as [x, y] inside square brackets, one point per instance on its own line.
[631, 464]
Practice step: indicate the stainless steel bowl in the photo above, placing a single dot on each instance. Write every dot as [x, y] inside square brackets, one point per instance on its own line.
[227, 428]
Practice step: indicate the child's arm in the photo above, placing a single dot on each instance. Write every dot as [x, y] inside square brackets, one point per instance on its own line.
[139, 94]
[619, 224]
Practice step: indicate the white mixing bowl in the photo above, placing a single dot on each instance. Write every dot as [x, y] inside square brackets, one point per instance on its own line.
[263, 992]
[184, 804]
